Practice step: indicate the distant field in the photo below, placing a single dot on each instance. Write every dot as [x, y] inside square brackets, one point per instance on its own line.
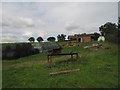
[98, 69]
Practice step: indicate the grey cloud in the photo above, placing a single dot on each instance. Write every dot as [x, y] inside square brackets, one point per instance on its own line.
[21, 22]
[5, 24]
[15, 23]
[71, 26]
[9, 38]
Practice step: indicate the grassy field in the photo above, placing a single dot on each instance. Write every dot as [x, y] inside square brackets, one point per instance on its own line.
[98, 69]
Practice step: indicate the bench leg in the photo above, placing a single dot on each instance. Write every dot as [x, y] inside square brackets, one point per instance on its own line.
[76, 56]
[71, 56]
[50, 61]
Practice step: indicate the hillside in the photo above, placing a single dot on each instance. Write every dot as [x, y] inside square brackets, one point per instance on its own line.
[98, 69]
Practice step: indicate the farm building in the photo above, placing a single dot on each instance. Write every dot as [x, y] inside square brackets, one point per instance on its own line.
[80, 38]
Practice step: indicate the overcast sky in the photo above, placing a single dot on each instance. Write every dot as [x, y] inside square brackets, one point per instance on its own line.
[21, 20]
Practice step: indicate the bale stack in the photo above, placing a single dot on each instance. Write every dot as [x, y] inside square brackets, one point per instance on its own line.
[13, 51]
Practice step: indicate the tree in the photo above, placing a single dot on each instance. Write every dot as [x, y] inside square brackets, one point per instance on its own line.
[118, 22]
[51, 39]
[110, 31]
[39, 39]
[95, 36]
[61, 37]
[108, 28]
[31, 39]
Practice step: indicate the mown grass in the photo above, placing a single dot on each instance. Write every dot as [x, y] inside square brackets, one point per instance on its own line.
[98, 69]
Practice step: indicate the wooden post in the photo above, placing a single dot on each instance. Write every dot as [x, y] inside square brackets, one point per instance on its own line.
[51, 58]
[48, 58]
[63, 72]
[77, 56]
[71, 56]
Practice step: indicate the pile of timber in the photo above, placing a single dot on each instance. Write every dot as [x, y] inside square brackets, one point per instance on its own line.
[94, 46]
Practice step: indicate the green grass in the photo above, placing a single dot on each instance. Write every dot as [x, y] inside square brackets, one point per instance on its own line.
[98, 69]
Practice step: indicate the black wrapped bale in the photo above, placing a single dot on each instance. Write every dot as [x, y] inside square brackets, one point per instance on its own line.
[14, 51]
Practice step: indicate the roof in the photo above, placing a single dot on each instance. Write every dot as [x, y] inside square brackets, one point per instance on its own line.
[78, 35]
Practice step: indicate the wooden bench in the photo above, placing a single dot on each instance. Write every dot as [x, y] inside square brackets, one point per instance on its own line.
[49, 56]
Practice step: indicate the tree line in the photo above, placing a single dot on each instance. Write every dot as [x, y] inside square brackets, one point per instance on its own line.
[61, 37]
[40, 39]
[110, 31]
